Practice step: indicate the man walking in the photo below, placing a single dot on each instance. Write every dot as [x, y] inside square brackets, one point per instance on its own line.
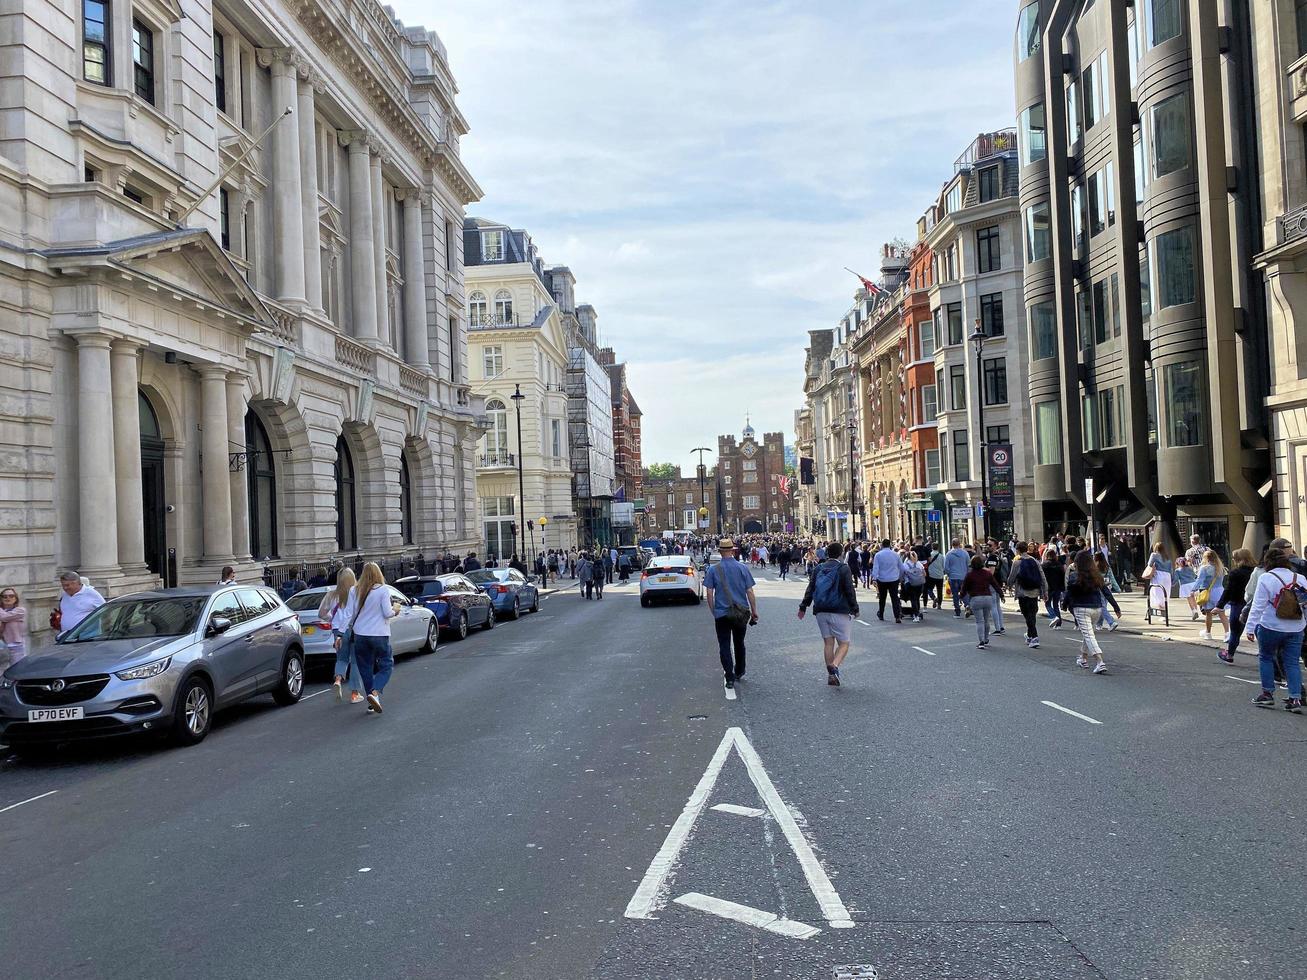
[887, 569]
[956, 565]
[77, 602]
[1028, 582]
[729, 585]
[834, 602]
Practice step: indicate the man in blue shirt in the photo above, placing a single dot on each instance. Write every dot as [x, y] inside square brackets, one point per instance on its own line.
[730, 584]
[956, 565]
[887, 569]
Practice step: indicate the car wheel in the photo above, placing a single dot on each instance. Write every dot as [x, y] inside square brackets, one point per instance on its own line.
[193, 713]
[490, 618]
[535, 603]
[517, 610]
[460, 629]
[433, 637]
[696, 598]
[291, 686]
[645, 602]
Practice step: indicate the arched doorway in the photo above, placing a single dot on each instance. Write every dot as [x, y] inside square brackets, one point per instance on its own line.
[405, 502]
[753, 527]
[154, 508]
[261, 484]
[347, 529]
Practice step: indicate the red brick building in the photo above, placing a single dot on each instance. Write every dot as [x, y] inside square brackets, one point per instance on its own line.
[747, 480]
[923, 391]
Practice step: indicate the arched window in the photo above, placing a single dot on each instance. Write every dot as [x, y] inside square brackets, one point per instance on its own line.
[261, 484]
[497, 436]
[347, 532]
[476, 308]
[405, 502]
[503, 306]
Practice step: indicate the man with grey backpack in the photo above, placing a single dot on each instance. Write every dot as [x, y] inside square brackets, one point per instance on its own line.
[834, 601]
[729, 586]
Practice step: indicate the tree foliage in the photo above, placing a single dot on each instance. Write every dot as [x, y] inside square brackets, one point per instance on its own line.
[662, 471]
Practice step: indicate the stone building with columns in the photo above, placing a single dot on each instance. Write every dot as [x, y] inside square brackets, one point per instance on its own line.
[232, 280]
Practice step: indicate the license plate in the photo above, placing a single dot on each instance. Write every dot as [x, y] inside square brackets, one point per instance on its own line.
[54, 714]
[666, 578]
[310, 630]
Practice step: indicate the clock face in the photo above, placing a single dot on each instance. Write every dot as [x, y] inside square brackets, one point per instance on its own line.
[748, 449]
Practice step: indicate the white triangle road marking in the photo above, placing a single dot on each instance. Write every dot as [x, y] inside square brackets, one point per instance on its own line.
[740, 811]
[651, 894]
[748, 915]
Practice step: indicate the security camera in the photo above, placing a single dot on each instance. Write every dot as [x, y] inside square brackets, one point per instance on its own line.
[170, 509]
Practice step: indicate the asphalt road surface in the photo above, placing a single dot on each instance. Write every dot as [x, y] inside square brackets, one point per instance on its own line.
[573, 796]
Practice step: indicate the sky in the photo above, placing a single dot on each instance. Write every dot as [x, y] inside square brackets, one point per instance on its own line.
[707, 169]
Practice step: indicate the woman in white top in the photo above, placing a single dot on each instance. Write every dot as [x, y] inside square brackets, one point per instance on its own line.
[333, 609]
[370, 610]
[1276, 622]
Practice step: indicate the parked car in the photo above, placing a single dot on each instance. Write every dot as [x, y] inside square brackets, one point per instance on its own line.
[637, 555]
[456, 602]
[670, 577]
[414, 630]
[510, 591]
[161, 661]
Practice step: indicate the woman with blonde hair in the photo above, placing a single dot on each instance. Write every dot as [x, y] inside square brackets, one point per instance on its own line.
[370, 611]
[332, 610]
[1211, 580]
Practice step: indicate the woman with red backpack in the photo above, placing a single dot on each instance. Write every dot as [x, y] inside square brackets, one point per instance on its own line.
[1276, 622]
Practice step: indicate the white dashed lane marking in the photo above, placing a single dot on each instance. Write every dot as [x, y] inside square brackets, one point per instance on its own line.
[1074, 714]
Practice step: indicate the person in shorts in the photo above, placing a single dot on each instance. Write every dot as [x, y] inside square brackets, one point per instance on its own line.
[834, 601]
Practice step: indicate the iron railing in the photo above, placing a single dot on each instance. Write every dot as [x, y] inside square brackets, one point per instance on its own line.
[490, 460]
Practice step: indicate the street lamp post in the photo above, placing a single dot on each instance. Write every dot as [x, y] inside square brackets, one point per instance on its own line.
[853, 428]
[703, 500]
[521, 480]
[544, 545]
[978, 338]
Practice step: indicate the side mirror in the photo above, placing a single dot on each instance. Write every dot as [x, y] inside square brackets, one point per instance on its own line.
[218, 625]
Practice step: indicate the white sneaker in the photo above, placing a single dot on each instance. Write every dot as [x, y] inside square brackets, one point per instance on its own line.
[1100, 668]
[1226, 638]
[1204, 634]
[1081, 662]
[1032, 642]
[1115, 624]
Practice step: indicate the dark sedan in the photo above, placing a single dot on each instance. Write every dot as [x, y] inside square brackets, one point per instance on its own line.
[510, 592]
[459, 606]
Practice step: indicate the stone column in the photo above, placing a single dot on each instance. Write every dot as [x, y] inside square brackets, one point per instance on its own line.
[415, 283]
[215, 483]
[287, 203]
[384, 326]
[96, 483]
[361, 260]
[127, 453]
[237, 406]
[308, 145]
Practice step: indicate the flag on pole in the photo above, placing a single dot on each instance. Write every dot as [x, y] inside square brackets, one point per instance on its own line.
[867, 284]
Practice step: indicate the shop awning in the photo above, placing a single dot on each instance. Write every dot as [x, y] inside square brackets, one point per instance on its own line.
[1138, 520]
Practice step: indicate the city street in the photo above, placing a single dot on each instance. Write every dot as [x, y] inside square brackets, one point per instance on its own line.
[546, 801]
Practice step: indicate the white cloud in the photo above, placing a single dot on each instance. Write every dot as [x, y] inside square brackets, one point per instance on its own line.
[707, 169]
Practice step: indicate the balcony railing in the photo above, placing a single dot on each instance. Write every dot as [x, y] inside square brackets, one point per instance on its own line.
[985, 146]
[354, 355]
[491, 321]
[1293, 225]
[490, 461]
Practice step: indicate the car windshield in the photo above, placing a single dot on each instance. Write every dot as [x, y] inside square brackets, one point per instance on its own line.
[139, 617]
[483, 575]
[301, 601]
[418, 590]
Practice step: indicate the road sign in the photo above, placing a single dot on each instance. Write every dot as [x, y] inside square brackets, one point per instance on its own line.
[933, 517]
[998, 457]
[1089, 490]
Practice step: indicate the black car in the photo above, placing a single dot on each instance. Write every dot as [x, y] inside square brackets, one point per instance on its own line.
[457, 603]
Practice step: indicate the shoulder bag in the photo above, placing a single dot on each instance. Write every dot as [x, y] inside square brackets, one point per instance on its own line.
[347, 637]
[737, 616]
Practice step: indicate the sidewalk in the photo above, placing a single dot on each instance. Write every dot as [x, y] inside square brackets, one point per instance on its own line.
[1183, 629]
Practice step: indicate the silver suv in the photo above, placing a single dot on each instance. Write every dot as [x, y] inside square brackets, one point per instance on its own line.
[155, 662]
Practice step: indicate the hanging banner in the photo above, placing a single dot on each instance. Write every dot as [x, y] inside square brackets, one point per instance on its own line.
[1002, 494]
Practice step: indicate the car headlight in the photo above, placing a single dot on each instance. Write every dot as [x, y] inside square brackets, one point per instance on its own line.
[5, 683]
[144, 671]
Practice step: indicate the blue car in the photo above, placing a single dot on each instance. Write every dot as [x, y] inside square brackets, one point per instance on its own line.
[509, 591]
[457, 603]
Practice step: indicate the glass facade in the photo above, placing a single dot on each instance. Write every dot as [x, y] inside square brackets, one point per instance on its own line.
[1048, 433]
[1185, 394]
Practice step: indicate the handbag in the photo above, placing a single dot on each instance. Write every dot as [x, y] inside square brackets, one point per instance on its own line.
[737, 616]
[1148, 572]
[1202, 595]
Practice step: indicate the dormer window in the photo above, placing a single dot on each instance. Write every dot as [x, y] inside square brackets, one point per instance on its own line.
[492, 246]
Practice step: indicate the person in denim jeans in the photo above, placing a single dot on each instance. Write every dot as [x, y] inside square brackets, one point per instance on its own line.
[956, 565]
[1278, 634]
[332, 610]
[370, 610]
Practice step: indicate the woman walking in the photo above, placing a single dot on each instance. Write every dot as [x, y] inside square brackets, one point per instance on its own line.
[370, 610]
[1236, 582]
[1276, 622]
[980, 588]
[1158, 573]
[332, 610]
[1083, 599]
[1210, 591]
[914, 581]
[1055, 574]
[13, 626]
[1186, 578]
